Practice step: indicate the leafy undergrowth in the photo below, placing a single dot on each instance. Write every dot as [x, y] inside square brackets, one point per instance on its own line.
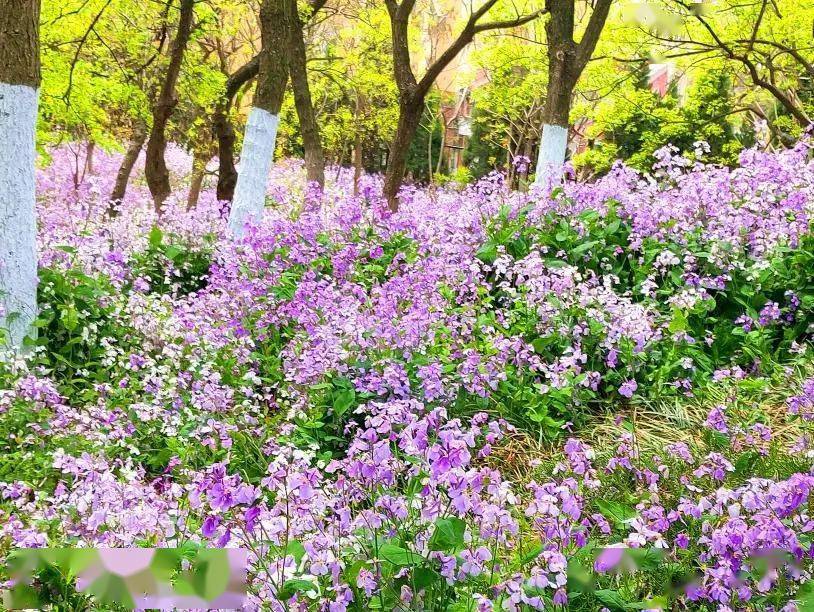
[488, 400]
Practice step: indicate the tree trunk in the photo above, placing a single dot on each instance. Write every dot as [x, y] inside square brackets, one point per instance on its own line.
[126, 169]
[261, 129]
[19, 84]
[225, 135]
[89, 150]
[314, 156]
[224, 131]
[561, 82]
[339, 164]
[429, 150]
[566, 61]
[554, 141]
[199, 161]
[357, 162]
[357, 145]
[413, 92]
[523, 175]
[443, 142]
[409, 118]
[155, 166]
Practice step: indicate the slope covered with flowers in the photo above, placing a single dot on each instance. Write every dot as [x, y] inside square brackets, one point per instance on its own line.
[488, 400]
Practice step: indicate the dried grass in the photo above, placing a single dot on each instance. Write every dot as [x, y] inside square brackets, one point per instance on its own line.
[657, 423]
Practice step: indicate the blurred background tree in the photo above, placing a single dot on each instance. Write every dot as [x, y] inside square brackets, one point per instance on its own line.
[733, 73]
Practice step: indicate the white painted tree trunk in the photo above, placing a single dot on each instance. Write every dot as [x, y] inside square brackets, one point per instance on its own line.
[552, 154]
[18, 229]
[255, 163]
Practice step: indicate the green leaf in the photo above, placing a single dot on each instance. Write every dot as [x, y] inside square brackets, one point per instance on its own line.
[611, 599]
[343, 400]
[211, 574]
[22, 597]
[583, 248]
[424, 577]
[448, 535]
[352, 573]
[539, 345]
[296, 550]
[805, 597]
[657, 603]
[588, 214]
[618, 512]
[398, 555]
[646, 559]
[155, 237]
[111, 589]
[532, 553]
[173, 251]
[79, 559]
[165, 562]
[293, 586]
[69, 318]
[678, 322]
[487, 253]
[579, 577]
[553, 262]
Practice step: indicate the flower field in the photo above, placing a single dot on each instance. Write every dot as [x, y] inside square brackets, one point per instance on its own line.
[596, 398]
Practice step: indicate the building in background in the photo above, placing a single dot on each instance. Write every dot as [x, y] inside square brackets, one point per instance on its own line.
[456, 114]
[455, 84]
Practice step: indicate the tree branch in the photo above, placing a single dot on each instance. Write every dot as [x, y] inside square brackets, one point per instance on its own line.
[785, 49]
[241, 76]
[402, 69]
[466, 36]
[797, 112]
[509, 23]
[750, 45]
[67, 95]
[590, 38]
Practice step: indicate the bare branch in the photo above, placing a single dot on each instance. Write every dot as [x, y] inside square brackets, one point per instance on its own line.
[466, 36]
[758, 21]
[795, 53]
[67, 95]
[586, 46]
[241, 76]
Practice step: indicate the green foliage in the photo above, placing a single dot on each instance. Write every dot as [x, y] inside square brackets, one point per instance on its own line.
[484, 151]
[633, 125]
[352, 88]
[595, 245]
[76, 311]
[103, 62]
[171, 265]
[460, 178]
[425, 147]
[507, 108]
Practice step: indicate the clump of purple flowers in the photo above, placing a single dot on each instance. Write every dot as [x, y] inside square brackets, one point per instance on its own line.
[341, 390]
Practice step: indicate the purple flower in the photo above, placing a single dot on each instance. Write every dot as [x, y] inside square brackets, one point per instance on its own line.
[608, 559]
[628, 388]
[210, 525]
[716, 420]
[250, 517]
[769, 313]
[366, 581]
